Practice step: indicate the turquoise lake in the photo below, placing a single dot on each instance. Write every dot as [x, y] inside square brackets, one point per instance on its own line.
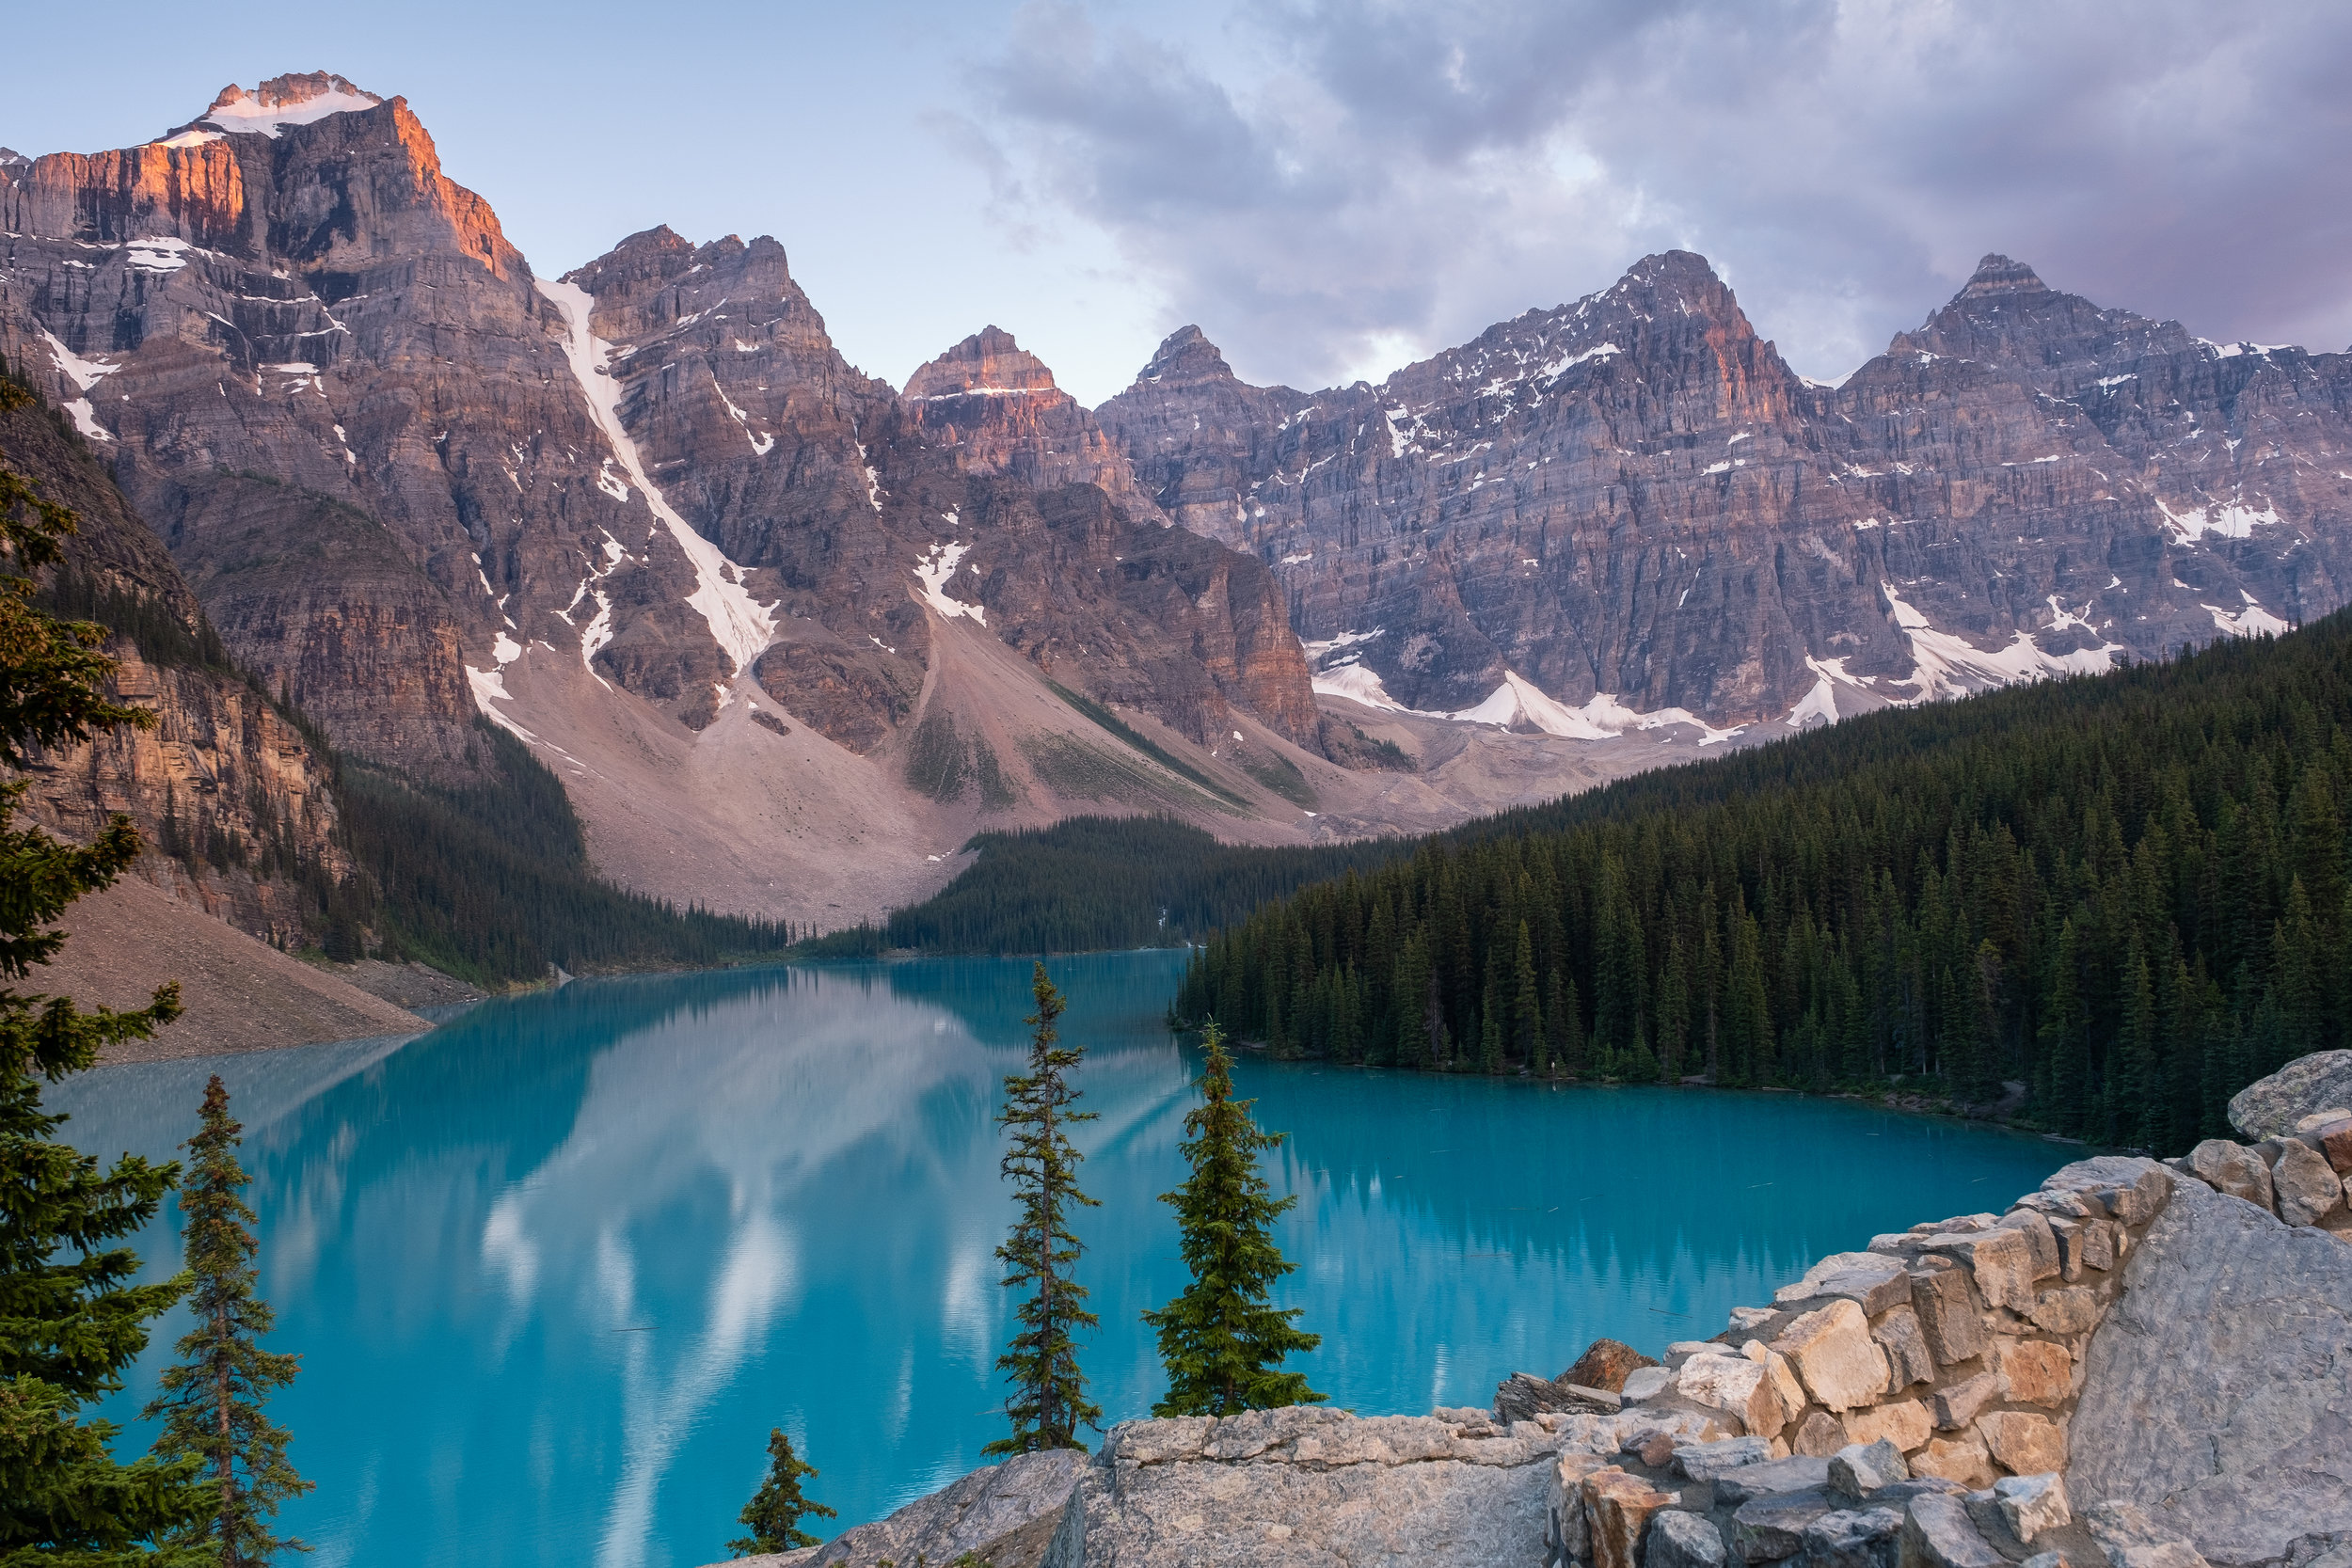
[555, 1268]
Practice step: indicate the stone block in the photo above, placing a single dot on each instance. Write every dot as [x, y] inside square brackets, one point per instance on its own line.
[2068, 1231]
[1833, 1352]
[2032, 1504]
[2000, 1262]
[1680, 1540]
[1605, 1365]
[2024, 1443]
[1962, 1459]
[1818, 1436]
[1706, 1461]
[2039, 1373]
[1938, 1533]
[2331, 1135]
[1871, 1280]
[2309, 1189]
[1903, 1423]
[1945, 1298]
[2124, 1187]
[1954, 1407]
[2235, 1170]
[1851, 1538]
[1647, 1383]
[2039, 1240]
[1740, 1387]
[2061, 1310]
[1768, 1530]
[1796, 1473]
[1784, 1376]
[1904, 1343]
[2272, 1105]
[1859, 1469]
[1564, 1520]
[1617, 1508]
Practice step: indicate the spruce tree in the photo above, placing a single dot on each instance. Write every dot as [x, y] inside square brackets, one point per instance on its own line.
[211, 1402]
[70, 1319]
[1048, 1402]
[774, 1514]
[1220, 1339]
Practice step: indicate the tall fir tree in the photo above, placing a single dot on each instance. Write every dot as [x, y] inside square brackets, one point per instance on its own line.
[1048, 1402]
[1221, 1339]
[212, 1403]
[70, 1319]
[774, 1514]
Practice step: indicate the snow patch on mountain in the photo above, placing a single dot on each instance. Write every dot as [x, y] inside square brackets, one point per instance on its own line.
[740, 625]
[934, 569]
[1946, 665]
[286, 100]
[2253, 621]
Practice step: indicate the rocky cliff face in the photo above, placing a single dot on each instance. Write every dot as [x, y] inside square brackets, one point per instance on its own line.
[237, 808]
[1630, 505]
[412, 482]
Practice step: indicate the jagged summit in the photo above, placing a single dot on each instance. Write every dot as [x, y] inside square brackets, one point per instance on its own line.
[1997, 274]
[987, 361]
[1185, 357]
[9, 156]
[297, 99]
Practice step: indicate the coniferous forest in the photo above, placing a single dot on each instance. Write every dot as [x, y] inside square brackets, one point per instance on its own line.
[2125, 892]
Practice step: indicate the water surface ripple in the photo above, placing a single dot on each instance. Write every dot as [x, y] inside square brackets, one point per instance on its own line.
[555, 1268]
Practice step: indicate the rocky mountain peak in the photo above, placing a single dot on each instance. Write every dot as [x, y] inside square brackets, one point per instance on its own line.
[297, 99]
[10, 157]
[1997, 274]
[1185, 357]
[988, 361]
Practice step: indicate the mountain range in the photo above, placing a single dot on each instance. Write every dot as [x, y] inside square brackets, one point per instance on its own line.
[788, 636]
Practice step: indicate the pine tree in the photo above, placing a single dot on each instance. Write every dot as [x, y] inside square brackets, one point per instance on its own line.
[1048, 1402]
[774, 1514]
[70, 1319]
[1220, 1339]
[211, 1402]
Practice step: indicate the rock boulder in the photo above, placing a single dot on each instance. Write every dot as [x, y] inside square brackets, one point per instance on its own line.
[2270, 1107]
[2218, 1393]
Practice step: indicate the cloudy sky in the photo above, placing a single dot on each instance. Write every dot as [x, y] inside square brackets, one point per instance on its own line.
[1331, 188]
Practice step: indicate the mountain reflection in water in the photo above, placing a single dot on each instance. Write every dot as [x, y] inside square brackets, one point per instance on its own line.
[556, 1267]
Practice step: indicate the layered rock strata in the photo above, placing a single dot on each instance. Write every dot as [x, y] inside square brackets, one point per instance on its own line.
[235, 806]
[1631, 506]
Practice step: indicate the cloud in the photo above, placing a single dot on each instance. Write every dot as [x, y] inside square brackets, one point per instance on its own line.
[1328, 185]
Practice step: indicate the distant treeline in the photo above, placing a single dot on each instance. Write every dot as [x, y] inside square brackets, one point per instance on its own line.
[2127, 891]
[1088, 883]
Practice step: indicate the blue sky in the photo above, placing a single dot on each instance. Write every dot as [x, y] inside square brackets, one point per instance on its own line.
[1333, 188]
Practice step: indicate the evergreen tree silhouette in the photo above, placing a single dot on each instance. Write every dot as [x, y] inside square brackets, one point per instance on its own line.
[70, 1319]
[1220, 1339]
[774, 1514]
[211, 1402]
[1048, 1402]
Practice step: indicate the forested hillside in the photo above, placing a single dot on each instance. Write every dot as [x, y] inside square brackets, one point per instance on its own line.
[2127, 892]
[1087, 883]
